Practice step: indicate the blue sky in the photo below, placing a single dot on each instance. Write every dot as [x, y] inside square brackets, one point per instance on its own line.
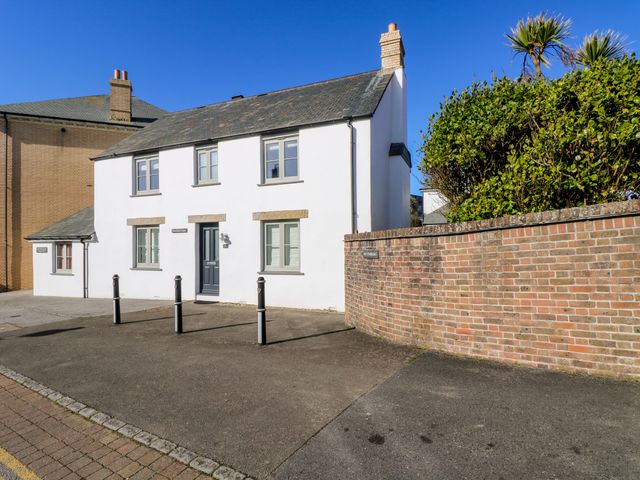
[182, 54]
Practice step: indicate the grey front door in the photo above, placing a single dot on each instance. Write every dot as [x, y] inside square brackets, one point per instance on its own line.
[209, 262]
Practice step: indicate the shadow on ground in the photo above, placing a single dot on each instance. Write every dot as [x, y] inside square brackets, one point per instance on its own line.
[326, 401]
[212, 388]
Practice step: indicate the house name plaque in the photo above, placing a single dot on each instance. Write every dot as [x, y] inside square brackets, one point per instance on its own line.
[370, 253]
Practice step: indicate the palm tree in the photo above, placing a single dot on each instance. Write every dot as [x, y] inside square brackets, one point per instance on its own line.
[600, 46]
[536, 36]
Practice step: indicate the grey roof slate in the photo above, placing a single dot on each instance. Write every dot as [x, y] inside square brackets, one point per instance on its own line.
[94, 108]
[76, 226]
[322, 102]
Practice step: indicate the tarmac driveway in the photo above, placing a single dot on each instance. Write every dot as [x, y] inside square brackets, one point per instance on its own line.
[449, 418]
[324, 401]
[211, 389]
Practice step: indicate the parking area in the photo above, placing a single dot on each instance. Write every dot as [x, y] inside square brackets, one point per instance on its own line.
[21, 309]
[212, 388]
[326, 401]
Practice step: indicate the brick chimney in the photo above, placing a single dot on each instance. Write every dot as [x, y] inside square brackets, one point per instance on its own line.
[120, 97]
[391, 48]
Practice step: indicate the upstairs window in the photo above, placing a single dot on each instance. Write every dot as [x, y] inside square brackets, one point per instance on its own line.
[206, 165]
[147, 247]
[280, 159]
[63, 261]
[147, 173]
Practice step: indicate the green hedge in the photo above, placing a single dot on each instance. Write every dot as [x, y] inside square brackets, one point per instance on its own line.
[511, 147]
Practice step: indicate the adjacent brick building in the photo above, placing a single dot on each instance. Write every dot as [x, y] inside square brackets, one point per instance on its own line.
[558, 289]
[45, 171]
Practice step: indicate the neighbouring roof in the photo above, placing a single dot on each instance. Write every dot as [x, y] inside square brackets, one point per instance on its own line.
[331, 100]
[437, 217]
[76, 226]
[94, 108]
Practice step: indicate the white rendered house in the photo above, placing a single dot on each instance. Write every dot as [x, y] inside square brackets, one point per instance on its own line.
[259, 186]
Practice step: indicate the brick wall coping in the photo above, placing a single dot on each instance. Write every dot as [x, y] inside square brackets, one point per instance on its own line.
[576, 214]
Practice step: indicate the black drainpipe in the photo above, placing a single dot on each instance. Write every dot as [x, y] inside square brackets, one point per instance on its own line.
[6, 200]
[85, 268]
[354, 213]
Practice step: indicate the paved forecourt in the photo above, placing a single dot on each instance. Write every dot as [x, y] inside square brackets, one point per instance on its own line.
[63, 439]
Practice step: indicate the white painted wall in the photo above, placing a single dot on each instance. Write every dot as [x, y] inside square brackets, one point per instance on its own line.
[390, 202]
[48, 283]
[382, 194]
[325, 192]
[362, 157]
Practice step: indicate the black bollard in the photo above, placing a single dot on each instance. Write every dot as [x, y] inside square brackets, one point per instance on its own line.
[116, 300]
[262, 313]
[178, 304]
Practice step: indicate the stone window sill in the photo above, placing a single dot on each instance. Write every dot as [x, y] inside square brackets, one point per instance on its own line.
[62, 274]
[276, 272]
[150, 269]
[205, 184]
[285, 182]
[140, 195]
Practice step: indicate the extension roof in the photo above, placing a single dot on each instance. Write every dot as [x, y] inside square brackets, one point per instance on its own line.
[94, 108]
[323, 102]
[76, 226]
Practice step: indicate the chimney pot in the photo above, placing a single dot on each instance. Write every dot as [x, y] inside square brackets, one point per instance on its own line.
[393, 26]
[116, 74]
[125, 75]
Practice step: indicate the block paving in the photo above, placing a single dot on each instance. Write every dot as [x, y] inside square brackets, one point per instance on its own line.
[59, 438]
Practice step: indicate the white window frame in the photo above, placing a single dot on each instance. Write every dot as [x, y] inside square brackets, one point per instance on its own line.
[282, 267]
[280, 139]
[207, 181]
[66, 256]
[146, 159]
[148, 247]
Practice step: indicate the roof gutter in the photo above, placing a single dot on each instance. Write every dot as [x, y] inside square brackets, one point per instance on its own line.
[97, 122]
[39, 238]
[171, 146]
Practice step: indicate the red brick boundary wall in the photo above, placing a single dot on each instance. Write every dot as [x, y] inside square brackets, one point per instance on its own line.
[557, 289]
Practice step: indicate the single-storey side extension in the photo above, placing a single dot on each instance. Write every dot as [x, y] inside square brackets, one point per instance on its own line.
[266, 185]
[61, 249]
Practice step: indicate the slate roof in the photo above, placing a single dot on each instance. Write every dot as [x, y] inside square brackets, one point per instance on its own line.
[76, 226]
[322, 102]
[94, 108]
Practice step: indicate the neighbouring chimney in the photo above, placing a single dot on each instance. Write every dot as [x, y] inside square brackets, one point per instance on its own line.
[391, 48]
[120, 97]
